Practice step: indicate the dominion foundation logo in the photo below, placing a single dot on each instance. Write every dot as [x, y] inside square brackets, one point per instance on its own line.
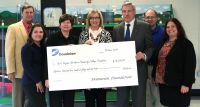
[55, 52]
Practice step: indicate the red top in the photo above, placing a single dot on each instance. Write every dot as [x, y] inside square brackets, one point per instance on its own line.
[160, 69]
[27, 26]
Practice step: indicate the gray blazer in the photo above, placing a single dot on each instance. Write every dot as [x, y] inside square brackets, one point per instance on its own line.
[141, 34]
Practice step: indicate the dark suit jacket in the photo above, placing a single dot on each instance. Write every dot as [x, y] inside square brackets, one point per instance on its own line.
[180, 64]
[141, 34]
[33, 64]
[57, 39]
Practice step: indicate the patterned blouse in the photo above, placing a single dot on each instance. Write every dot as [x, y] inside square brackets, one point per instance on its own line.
[103, 37]
[160, 69]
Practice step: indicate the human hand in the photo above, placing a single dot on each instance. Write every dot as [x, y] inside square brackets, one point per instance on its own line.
[39, 87]
[184, 89]
[47, 83]
[140, 56]
[11, 76]
[90, 42]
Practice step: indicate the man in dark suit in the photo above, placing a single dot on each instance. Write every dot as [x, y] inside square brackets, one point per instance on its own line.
[140, 32]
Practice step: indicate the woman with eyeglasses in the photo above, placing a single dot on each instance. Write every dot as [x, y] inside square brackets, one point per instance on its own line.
[95, 33]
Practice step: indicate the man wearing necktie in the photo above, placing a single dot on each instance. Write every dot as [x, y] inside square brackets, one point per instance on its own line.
[127, 36]
[140, 32]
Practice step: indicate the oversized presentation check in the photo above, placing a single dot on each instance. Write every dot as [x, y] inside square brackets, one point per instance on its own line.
[92, 66]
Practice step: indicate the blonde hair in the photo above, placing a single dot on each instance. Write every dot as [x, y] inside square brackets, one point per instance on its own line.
[90, 13]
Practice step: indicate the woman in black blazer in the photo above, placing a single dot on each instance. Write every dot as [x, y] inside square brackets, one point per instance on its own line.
[174, 71]
[32, 54]
[64, 36]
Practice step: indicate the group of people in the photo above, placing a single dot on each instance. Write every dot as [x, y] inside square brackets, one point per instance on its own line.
[166, 60]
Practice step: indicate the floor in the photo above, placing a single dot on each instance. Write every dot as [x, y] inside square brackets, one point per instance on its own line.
[195, 102]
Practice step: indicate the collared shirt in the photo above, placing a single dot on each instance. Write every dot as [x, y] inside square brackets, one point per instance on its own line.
[130, 27]
[157, 37]
[27, 26]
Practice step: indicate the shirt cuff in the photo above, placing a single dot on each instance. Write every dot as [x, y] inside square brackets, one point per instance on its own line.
[145, 57]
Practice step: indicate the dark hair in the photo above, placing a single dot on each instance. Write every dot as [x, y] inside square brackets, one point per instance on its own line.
[30, 39]
[26, 6]
[151, 10]
[180, 29]
[65, 17]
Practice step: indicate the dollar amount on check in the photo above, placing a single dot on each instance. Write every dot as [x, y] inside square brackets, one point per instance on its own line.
[92, 66]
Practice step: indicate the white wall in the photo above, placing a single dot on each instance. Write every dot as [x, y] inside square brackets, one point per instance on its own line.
[11, 3]
[187, 11]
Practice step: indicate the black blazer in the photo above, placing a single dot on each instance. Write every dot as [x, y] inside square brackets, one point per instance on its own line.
[58, 39]
[180, 64]
[33, 63]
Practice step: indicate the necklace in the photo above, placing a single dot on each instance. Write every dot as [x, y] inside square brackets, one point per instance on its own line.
[169, 43]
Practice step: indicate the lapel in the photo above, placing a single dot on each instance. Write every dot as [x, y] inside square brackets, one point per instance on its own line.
[173, 49]
[121, 31]
[134, 30]
[23, 31]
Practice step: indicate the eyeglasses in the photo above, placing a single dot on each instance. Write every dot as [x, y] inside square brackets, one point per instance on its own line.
[94, 18]
[150, 18]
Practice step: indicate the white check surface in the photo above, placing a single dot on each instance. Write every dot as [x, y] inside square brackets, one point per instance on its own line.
[92, 66]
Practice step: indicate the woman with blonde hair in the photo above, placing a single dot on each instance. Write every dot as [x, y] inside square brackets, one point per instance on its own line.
[95, 33]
